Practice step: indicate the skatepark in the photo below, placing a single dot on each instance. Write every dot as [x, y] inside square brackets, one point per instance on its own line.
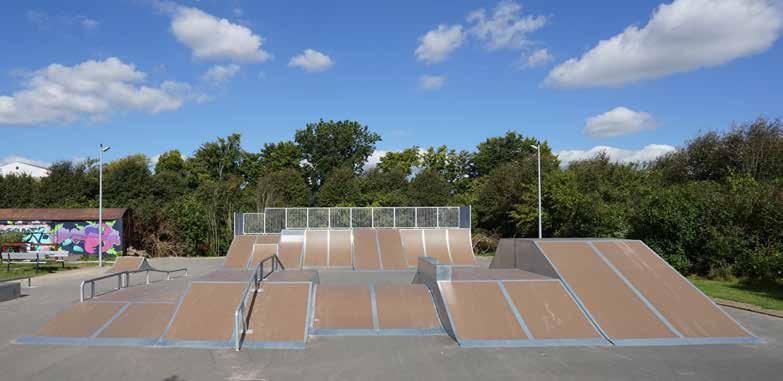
[268, 292]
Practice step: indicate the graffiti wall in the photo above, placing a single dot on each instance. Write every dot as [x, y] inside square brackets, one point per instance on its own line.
[76, 237]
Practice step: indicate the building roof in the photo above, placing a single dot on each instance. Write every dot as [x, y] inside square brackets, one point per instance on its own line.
[17, 162]
[55, 214]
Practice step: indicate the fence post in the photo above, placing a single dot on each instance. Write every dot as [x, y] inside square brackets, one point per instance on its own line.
[437, 217]
[350, 218]
[416, 217]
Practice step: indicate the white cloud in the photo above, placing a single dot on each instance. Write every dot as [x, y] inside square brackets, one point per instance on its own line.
[431, 82]
[681, 36]
[619, 155]
[212, 38]
[86, 22]
[618, 121]
[91, 89]
[505, 28]
[374, 159]
[437, 44]
[311, 60]
[218, 74]
[538, 58]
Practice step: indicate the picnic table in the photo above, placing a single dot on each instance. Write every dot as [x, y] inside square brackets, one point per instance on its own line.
[33, 256]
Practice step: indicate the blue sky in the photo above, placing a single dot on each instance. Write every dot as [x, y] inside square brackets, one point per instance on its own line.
[150, 76]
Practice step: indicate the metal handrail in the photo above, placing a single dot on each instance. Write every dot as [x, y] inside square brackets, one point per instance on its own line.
[120, 283]
[29, 284]
[240, 322]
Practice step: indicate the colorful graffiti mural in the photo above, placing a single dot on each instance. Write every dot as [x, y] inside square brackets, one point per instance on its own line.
[77, 237]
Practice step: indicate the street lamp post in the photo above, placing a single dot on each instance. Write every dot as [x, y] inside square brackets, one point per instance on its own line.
[538, 151]
[101, 150]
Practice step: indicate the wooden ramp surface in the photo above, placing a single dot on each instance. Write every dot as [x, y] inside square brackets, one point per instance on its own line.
[279, 317]
[412, 240]
[461, 247]
[436, 245]
[383, 309]
[290, 251]
[391, 249]
[534, 312]
[688, 311]
[365, 249]
[340, 249]
[127, 263]
[239, 252]
[206, 313]
[316, 248]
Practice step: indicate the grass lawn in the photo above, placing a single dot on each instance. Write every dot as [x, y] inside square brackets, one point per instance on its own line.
[18, 270]
[766, 295]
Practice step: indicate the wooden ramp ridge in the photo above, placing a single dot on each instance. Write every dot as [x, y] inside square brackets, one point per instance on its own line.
[279, 316]
[627, 291]
[379, 310]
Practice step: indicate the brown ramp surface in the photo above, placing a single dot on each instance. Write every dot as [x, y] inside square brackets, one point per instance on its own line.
[414, 245]
[461, 247]
[688, 310]
[392, 252]
[279, 316]
[126, 263]
[206, 313]
[479, 313]
[613, 306]
[436, 245]
[365, 246]
[239, 252]
[263, 251]
[268, 238]
[342, 307]
[140, 321]
[80, 320]
[290, 251]
[316, 248]
[406, 306]
[549, 312]
[340, 248]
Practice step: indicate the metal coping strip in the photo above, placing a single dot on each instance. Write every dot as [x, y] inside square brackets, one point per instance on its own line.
[448, 246]
[378, 247]
[574, 296]
[374, 307]
[533, 343]
[448, 313]
[174, 315]
[513, 307]
[311, 311]
[636, 291]
[108, 322]
[378, 332]
[699, 292]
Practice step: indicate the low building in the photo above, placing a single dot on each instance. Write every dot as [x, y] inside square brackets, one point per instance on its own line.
[72, 230]
[22, 168]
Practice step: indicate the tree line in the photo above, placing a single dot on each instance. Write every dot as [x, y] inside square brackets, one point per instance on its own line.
[714, 207]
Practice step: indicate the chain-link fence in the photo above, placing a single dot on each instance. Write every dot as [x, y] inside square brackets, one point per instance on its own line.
[274, 220]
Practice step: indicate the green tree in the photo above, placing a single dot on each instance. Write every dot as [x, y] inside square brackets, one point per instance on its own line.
[282, 188]
[341, 188]
[403, 161]
[327, 146]
[497, 151]
[429, 188]
[170, 161]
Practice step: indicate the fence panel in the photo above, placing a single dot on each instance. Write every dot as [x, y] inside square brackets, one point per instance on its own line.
[318, 218]
[383, 217]
[361, 217]
[253, 223]
[340, 218]
[296, 218]
[405, 217]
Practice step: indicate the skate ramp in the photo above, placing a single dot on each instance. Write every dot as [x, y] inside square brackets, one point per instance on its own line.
[279, 317]
[515, 313]
[290, 249]
[262, 251]
[628, 292]
[340, 249]
[382, 309]
[239, 252]
[391, 250]
[316, 248]
[365, 250]
[205, 316]
[127, 263]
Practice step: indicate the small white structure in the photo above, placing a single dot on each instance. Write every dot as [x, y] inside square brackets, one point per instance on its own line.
[19, 168]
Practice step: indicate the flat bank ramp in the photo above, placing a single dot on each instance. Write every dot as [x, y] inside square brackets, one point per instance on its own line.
[128, 263]
[239, 252]
[280, 316]
[510, 313]
[382, 309]
[634, 298]
[205, 316]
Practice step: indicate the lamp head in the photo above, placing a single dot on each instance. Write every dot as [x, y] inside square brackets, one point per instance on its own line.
[534, 146]
[104, 149]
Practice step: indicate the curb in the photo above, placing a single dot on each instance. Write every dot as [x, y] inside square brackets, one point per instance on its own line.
[749, 307]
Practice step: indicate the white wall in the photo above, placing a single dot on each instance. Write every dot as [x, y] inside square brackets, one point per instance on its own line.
[16, 167]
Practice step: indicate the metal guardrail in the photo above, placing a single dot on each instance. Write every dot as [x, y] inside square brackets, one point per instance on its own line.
[120, 284]
[240, 321]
